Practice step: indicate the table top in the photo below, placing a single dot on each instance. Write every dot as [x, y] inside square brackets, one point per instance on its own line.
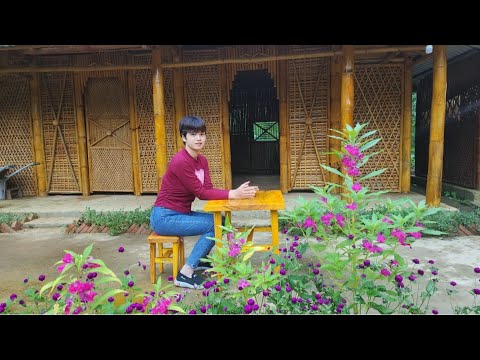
[263, 200]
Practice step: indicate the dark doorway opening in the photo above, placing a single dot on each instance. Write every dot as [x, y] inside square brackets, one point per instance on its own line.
[254, 130]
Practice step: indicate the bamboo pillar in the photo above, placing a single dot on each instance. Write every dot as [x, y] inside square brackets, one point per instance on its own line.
[335, 123]
[137, 174]
[406, 131]
[38, 145]
[283, 118]
[81, 134]
[159, 114]
[347, 96]
[437, 126]
[179, 98]
[227, 156]
[477, 152]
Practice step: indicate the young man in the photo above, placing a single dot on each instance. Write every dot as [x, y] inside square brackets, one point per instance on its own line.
[186, 178]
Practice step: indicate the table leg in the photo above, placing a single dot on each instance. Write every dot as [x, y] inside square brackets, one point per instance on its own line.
[217, 222]
[274, 220]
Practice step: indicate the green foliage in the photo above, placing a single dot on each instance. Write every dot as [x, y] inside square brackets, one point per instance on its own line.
[117, 221]
[8, 218]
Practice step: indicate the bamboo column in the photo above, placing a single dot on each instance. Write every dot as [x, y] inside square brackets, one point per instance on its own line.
[283, 118]
[406, 130]
[137, 174]
[335, 123]
[347, 96]
[227, 156]
[477, 151]
[159, 114]
[179, 98]
[38, 146]
[81, 134]
[437, 126]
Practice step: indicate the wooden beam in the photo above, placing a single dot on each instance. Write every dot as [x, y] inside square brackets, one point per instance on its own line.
[82, 134]
[159, 114]
[319, 54]
[347, 94]
[137, 173]
[38, 145]
[406, 134]
[283, 119]
[437, 126]
[335, 123]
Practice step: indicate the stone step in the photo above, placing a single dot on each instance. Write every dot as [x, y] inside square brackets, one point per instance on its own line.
[48, 222]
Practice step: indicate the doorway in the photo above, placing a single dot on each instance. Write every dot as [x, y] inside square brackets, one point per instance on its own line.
[254, 130]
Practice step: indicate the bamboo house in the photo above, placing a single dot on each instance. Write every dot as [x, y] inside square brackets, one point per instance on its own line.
[104, 119]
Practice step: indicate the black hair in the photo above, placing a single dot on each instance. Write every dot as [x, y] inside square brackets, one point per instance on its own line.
[191, 123]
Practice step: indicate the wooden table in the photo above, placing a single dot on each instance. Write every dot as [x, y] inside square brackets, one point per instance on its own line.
[264, 200]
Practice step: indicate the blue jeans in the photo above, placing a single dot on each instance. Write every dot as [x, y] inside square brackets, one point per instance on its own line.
[170, 222]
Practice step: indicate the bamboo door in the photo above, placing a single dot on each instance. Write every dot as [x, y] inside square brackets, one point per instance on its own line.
[108, 136]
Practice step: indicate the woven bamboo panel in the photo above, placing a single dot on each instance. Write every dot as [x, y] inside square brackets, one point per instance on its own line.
[144, 108]
[103, 59]
[108, 135]
[16, 131]
[250, 52]
[379, 101]
[146, 128]
[308, 98]
[57, 104]
[202, 97]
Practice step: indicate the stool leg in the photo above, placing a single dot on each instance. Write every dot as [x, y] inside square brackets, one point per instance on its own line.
[181, 249]
[160, 253]
[175, 258]
[153, 275]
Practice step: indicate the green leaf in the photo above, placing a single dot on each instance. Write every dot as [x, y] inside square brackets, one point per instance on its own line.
[380, 308]
[106, 279]
[370, 144]
[335, 171]
[372, 174]
[433, 232]
[102, 299]
[86, 252]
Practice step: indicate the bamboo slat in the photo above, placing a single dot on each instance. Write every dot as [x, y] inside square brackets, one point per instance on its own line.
[137, 174]
[227, 156]
[283, 119]
[347, 99]
[335, 123]
[406, 132]
[179, 99]
[39, 149]
[437, 126]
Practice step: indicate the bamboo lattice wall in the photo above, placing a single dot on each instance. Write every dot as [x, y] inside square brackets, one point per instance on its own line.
[250, 52]
[60, 142]
[308, 98]
[202, 97]
[462, 117]
[16, 131]
[378, 101]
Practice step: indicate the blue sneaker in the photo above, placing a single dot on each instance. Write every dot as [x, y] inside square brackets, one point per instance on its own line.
[195, 282]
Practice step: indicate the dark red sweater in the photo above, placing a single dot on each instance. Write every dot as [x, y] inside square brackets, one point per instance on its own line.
[185, 179]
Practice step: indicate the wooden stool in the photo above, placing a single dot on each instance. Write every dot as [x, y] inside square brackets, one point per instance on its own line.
[174, 255]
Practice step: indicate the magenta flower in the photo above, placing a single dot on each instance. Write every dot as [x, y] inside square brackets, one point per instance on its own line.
[476, 270]
[340, 219]
[234, 250]
[352, 149]
[354, 172]
[385, 272]
[435, 312]
[416, 235]
[67, 259]
[352, 206]
[356, 187]
[476, 291]
[380, 238]
[121, 249]
[41, 277]
[161, 307]
[453, 283]
[243, 283]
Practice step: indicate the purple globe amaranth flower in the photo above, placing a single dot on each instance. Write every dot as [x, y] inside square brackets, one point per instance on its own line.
[13, 297]
[170, 278]
[225, 309]
[25, 280]
[350, 236]
[130, 283]
[412, 277]
[420, 272]
[192, 312]
[283, 272]
[366, 263]
[385, 272]
[21, 302]
[315, 271]
[59, 287]
[434, 272]
[266, 293]
[203, 309]
[247, 309]
[416, 261]
[278, 287]
[398, 278]
[121, 249]
[111, 299]
[226, 281]
[477, 270]
[435, 312]
[255, 307]
[55, 296]
[431, 262]
[272, 261]
[288, 289]
[476, 291]
[41, 277]
[251, 302]
[126, 272]
[453, 283]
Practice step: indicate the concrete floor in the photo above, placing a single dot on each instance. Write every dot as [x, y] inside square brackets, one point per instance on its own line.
[31, 252]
